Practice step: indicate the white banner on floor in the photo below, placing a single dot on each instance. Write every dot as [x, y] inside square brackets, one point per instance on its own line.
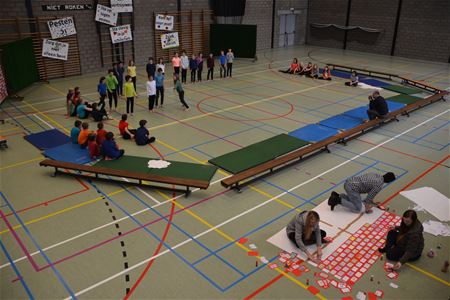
[163, 22]
[106, 15]
[431, 200]
[122, 5]
[120, 34]
[54, 49]
[169, 40]
[61, 27]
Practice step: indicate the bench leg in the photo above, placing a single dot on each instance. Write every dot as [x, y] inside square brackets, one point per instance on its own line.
[188, 192]
[54, 173]
[237, 188]
[328, 150]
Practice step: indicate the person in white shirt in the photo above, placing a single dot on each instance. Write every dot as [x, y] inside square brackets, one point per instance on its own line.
[230, 60]
[151, 92]
[184, 66]
[161, 65]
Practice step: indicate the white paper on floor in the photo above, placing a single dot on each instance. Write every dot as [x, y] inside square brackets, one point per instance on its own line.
[281, 241]
[158, 164]
[341, 217]
[436, 228]
[431, 200]
[368, 87]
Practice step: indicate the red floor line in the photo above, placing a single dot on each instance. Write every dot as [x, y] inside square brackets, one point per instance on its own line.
[417, 178]
[161, 243]
[397, 151]
[45, 203]
[262, 288]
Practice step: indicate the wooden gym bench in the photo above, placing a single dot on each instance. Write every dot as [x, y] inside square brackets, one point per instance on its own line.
[94, 172]
[342, 137]
[360, 71]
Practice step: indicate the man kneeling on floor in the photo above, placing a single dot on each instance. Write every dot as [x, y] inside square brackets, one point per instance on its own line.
[304, 230]
[378, 107]
[370, 184]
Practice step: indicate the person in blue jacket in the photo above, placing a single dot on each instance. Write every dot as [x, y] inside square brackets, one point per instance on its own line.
[193, 66]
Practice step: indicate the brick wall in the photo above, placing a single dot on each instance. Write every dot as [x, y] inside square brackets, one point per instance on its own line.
[424, 30]
[259, 12]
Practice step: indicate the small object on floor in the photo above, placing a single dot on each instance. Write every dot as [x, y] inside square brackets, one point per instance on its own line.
[445, 267]
[273, 266]
[371, 277]
[3, 142]
[439, 246]
[264, 260]
[431, 253]
[381, 257]
[379, 293]
[252, 246]
[361, 296]
[393, 285]
[252, 253]
[378, 282]
[307, 281]
[243, 240]
[392, 275]
[256, 263]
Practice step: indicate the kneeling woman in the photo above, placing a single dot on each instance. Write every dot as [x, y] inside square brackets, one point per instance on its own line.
[405, 242]
[304, 230]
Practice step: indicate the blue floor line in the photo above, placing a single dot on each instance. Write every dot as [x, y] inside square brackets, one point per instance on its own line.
[181, 230]
[55, 271]
[15, 120]
[27, 116]
[430, 132]
[156, 237]
[16, 270]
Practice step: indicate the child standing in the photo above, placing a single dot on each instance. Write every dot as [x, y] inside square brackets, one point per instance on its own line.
[199, 66]
[176, 63]
[102, 90]
[161, 65]
[142, 135]
[131, 71]
[180, 91]
[193, 67]
[159, 80]
[123, 128]
[111, 83]
[120, 71]
[210, 65]
[230, 59]
[101, 133]
[151, 92]
[150, 67]
[75, 132]
[184, 66]
[130, 93]
[94, 149]
[223, 61]
[69, 97]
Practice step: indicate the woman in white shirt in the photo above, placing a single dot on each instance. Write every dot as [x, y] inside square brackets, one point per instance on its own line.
[161, 65]
[151, 92]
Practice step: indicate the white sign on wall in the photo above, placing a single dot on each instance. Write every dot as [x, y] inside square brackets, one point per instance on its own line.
[169, 40]
[120, 34]
[55, 49]
[163, 22]
[61, 27]
[106, 15]
[122, 5]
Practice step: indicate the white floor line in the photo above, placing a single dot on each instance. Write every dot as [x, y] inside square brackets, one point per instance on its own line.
[251, 209]
[105, 225]
[143, 192]
[43, 121]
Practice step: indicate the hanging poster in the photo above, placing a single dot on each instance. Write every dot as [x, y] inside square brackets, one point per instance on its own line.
[169, 40]
[105, 15]
[122, 5]
[163, 22]
[54, 49]
[61, 27]
[3, 90]
[120, 34]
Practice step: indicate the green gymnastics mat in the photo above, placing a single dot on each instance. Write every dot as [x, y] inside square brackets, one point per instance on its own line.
[402, 89]
[406, 99]
[258, 153]
[175, 169]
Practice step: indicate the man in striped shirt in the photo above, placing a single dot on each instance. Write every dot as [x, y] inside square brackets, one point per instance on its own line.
[370, 184]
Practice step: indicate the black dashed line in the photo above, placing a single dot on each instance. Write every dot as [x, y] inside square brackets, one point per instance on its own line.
[117, 226]
[127, 291]
[125, 265]
[124, 253]
[110, 210]
[127, 277]
[119, 233]
[114, 218]
[106, 203]
[122, 244]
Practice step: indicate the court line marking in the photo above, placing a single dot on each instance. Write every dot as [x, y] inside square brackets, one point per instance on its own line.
[253, 208]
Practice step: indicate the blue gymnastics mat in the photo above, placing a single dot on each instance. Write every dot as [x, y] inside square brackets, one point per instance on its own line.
[340, 74]
[361, 112]
[374, 82]
[69, 153]
[313, 133]
[341, 122]
[47, 139]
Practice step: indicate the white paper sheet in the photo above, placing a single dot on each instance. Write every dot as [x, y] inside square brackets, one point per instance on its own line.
[158, 164]
[436, 228]
[431, 200]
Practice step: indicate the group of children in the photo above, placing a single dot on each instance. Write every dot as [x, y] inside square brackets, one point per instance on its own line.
[101, 143]
[310, 70]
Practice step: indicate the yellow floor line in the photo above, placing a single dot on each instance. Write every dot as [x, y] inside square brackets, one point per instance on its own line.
[428, 274]
[21, 163]
[47, 117]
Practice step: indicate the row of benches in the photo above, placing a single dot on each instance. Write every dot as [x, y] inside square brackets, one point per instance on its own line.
[236, 181]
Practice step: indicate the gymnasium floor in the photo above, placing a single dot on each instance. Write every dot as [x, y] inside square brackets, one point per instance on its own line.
[93, 240]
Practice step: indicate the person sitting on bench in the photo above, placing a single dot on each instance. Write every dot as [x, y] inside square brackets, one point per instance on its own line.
[123, 128]
[304, 230]
[308, 69]
[378, 107]
[353, 79]
[326, 74]
[405, 242]
[370, 184]
[110, 149]
[142, 135]
[293, 68]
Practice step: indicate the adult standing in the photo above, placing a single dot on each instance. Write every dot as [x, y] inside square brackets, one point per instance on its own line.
[230, 60]
[184, 66]
[210, 65]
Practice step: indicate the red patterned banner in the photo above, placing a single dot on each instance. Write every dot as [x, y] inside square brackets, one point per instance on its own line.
[3, 90]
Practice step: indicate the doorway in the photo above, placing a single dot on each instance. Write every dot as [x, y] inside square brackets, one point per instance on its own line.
[287, 30]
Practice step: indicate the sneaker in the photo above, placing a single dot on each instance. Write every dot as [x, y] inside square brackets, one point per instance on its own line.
[334, 200]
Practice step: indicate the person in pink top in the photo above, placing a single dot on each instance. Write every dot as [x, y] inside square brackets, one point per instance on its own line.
[176, 62]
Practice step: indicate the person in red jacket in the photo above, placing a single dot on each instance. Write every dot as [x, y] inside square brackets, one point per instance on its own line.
[94, 149]
[293, 69]
[326, 73]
